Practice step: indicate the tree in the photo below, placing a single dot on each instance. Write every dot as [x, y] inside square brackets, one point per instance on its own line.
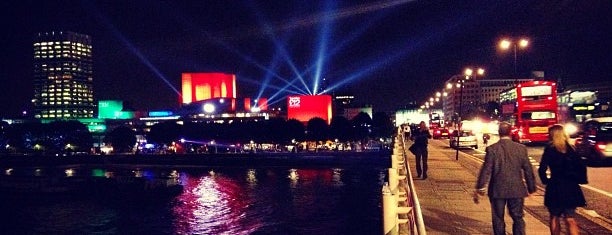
[317, 129]
[340, 128]
[276, 129]
[164, 133]
[122, 139]
[295, 130]
[362, 124]
[69, 136]
[382, 126]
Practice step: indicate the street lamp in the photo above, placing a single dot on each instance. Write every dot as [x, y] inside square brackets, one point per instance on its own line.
[505, 44]
[468, 72]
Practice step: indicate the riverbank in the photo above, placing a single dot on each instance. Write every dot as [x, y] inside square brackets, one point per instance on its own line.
[304, 159]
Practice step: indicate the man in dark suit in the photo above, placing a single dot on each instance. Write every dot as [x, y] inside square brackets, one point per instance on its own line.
[510, 178]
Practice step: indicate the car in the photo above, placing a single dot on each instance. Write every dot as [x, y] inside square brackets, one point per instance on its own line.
[594, 142]
[467, 139]
[438, 133]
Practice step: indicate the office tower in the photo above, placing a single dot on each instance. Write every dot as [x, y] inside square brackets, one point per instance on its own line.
[63, 76]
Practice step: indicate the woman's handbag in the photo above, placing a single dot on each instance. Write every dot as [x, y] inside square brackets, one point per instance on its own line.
[576, 169]
[413, 149]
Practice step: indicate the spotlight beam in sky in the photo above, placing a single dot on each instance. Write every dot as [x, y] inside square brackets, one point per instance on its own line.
[280, 89]
[321, 51]
[220, 42]
[280, 46]
[340, 14]
[101, 18]
[345, 42]
[273, 64]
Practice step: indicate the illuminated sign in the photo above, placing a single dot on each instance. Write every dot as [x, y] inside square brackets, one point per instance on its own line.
[583, 108]
[160, 113]
[108, 109]
[305, 107]
[294, 102]
[536, 91]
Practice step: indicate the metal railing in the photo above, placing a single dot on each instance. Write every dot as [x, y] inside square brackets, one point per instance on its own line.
[401, 208]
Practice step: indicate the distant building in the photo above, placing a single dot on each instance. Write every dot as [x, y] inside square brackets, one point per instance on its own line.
[413, 116]
[350, 113]
[476, 93]
[603, 89]
[204, 86]
[491, 88]
[342, 102]
[63, 76]
[460, 101]
[305, 107]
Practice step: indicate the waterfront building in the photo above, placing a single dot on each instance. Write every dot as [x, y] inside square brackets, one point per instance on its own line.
[63, 76]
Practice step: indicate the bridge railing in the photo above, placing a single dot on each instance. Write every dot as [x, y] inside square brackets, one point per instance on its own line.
[401, 208]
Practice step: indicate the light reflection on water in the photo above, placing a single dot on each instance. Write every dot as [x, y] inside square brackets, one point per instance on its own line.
[221, 201]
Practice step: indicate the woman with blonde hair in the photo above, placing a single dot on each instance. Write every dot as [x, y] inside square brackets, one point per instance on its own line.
[563, 192]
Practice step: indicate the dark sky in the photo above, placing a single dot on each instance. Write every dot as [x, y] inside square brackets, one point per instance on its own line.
[386, 53]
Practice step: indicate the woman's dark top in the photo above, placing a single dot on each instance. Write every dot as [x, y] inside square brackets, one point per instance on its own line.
[562, 189]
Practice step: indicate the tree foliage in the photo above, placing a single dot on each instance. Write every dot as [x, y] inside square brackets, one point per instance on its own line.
[122, 139]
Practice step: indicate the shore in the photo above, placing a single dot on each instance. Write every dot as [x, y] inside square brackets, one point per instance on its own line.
[302, 159]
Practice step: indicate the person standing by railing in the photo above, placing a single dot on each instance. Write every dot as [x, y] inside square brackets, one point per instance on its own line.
[420, 138]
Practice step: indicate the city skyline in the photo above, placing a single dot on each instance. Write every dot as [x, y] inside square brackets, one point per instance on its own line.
[387, 53]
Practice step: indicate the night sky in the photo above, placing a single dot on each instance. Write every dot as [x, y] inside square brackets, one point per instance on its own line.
[386, 53]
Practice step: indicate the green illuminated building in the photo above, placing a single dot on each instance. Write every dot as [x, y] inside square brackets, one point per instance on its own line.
[113, 109]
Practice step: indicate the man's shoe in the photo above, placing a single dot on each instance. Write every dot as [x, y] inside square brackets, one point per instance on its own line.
[424, 176]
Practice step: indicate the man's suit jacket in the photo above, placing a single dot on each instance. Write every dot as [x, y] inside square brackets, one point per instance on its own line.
[507, 170]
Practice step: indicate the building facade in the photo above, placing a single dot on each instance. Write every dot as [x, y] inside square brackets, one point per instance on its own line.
[462, 96]
[63, 76]
[203, 86]
[491, 88]
[474, 94]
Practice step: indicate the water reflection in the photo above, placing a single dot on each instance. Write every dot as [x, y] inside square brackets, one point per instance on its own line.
[211, 204]
[212, 201]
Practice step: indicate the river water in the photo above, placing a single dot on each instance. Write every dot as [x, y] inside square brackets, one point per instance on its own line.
[273, 200]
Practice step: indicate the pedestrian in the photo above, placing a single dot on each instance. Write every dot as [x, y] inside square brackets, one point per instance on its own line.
[509, 176]
[420, 138]
[563, 192]
[485, 138]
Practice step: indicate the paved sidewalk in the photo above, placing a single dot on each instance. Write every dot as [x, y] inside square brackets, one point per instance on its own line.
[446, 197]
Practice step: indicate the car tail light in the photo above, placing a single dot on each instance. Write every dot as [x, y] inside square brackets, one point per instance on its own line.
[578, 141]
[601, 146]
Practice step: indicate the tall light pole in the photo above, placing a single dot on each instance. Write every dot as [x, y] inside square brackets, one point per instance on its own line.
[505, 44]
[469, 72]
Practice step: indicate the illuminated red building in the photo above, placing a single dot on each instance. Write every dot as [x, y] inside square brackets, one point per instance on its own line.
[261, 103]
[204, 86]
[305, 107]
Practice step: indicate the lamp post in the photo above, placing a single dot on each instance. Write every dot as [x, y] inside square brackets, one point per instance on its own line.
[469, 72]
[505, 44]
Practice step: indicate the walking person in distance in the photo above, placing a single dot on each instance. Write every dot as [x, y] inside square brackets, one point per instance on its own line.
[420, 137]
[563, 192]
[509, 176]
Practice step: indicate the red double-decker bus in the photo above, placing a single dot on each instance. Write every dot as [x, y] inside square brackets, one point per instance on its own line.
[531, 107]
